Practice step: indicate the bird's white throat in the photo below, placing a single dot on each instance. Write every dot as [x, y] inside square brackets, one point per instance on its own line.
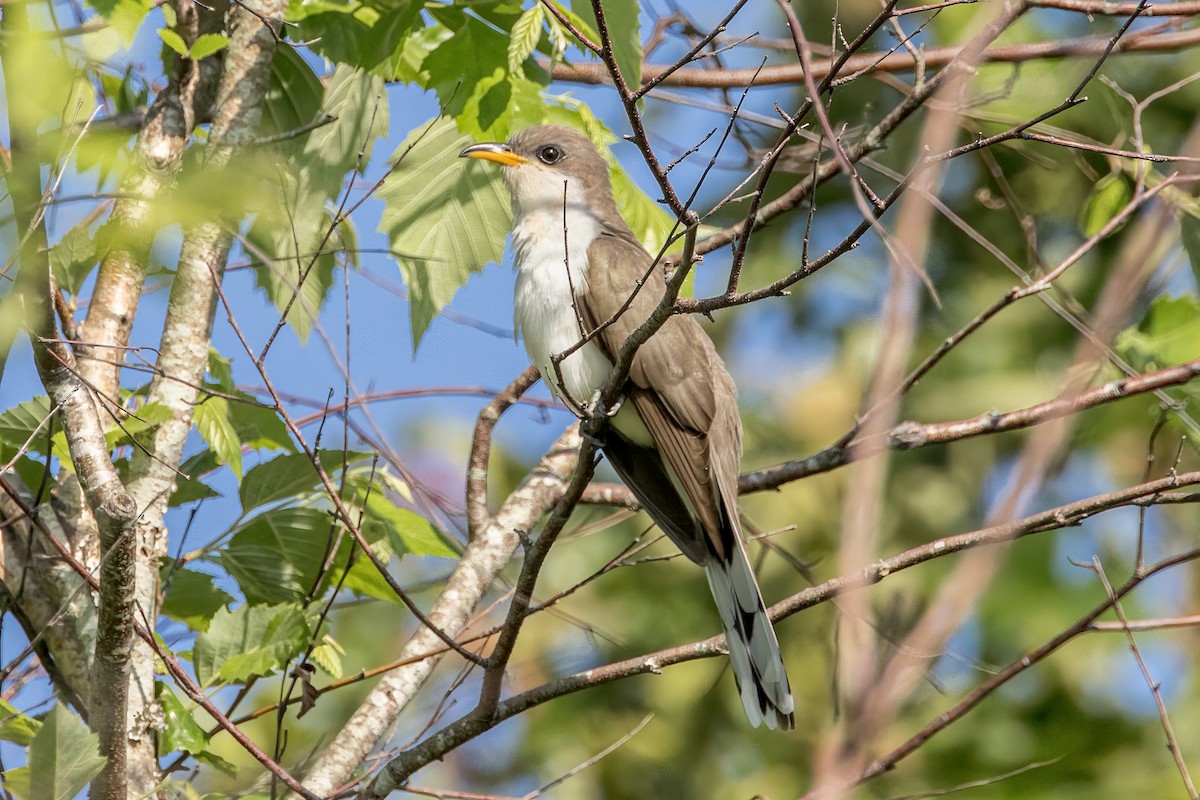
[550, 251]
[551, 273]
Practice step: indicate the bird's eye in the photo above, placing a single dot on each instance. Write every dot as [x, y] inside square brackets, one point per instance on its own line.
[550, 154]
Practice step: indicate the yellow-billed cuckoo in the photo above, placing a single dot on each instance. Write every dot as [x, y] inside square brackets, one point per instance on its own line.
[677, 437]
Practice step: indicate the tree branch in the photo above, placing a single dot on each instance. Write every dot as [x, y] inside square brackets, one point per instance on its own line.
[1082, 47]
[470, 726]
[183, 352]
[486, 554]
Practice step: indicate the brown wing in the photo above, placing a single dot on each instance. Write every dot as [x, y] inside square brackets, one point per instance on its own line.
[680, 389]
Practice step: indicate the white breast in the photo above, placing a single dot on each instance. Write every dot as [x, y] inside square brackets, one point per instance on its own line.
[545, 307]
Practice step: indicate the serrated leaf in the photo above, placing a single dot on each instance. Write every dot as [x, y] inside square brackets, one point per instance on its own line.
[276, 556]
[213, 422]
[188, 490]
[299, 284]
[251, 640]
[406, 531]
[407, 63]
[180, 730]
[140, 421]
[125, 15]
[63, 757]
[525, 35]
[259, 427]
[328, 656]
[359, 34]
[15, 726]
[213, 760]
[208, 43]
[448, 217]
[359, 102]
[295, 230]
[1110, 194]
[73, 257]
[584, 26]
[288, 476]
[469, 71]
[173, 40]
[621, 17]
[363, 578]
[294, 94]
[221, 370]
[1168, 335]
[18, 423]
[192, 597]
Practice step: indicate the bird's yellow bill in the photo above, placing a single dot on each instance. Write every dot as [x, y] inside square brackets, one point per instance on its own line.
[494, 151]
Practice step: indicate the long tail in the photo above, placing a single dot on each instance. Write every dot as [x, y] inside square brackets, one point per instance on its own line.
[753, 649]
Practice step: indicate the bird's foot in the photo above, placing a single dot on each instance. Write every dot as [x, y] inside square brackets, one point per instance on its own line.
[595, 406]
[595, 411]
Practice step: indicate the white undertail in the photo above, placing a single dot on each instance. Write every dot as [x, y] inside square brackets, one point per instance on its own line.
[753, 649]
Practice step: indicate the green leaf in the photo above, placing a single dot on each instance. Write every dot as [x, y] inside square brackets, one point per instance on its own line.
[363, 578]
[180, 730]
[1110, 194]
[469, 72]
[276, 556]
[449, 218]
[1169, 334]
[18, 423]
[328, 656]
[213, 422]
[260, 427]
[173, 40]
[621, 17]
[208, 43]
[360, 34]
[406, 531]
[221, 370]
[584, 26]
[125, 16]
[63, 757]
[288, 476]
[1189, 234]
[299, 284]
[192, 597]
[252, 640]
[15, 726]
[526, 33]
[407, 63]
[140, 421]
[189, 490]
[282, 477]
[230, 769]
[73, 257]
[295, 230]
[359, 102]
[16, 781]
[294, 94]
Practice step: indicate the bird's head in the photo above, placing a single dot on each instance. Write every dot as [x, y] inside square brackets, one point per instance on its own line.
[545, 165]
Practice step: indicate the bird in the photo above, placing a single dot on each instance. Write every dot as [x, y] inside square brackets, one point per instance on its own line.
[676, 436]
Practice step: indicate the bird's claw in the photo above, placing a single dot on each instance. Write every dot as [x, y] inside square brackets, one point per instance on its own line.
[595, 406]
[593, 412]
